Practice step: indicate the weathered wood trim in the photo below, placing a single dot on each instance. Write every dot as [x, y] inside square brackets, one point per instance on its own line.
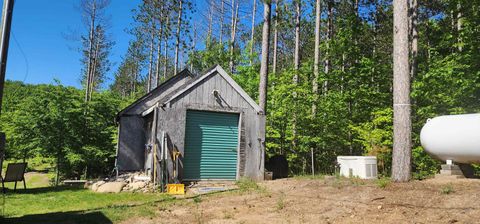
[184, 73]
[149, 110]
[239, 89]
[242, 147]
[230, 81]
[240, 118]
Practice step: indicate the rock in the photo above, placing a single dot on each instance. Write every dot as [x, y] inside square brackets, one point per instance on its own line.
[137, 185]
[111, 187]
[97, 184]
[379, 207]
[88, 184]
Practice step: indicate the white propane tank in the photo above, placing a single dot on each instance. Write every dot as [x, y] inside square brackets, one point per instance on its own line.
[453, 137]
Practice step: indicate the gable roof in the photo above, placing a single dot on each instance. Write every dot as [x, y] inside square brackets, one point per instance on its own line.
[215, 70]
[188, 85]
[183, 74]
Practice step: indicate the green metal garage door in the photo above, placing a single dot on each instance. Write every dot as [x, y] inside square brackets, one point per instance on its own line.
[211, 142]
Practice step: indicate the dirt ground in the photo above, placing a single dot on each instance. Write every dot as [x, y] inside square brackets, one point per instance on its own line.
[333, 200]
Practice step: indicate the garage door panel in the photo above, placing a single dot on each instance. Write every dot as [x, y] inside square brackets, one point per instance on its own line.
[211, 142]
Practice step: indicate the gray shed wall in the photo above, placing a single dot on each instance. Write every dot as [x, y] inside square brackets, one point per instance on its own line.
[200, 97]
[131, 148]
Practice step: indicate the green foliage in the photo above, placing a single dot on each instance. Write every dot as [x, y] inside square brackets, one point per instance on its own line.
[213, 54]
[54, 122]
[376, 137]
[423, 165]
[353, 102]
[383, 182]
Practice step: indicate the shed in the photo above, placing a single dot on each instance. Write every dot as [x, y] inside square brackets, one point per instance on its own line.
[217, 130]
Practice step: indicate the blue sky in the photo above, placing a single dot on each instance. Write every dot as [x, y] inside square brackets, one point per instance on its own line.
[38, 29]
[40, 53]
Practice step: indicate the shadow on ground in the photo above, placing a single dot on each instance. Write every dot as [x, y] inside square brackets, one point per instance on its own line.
[60, 218]
[41, 190]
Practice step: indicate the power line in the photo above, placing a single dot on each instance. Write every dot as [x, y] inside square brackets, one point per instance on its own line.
[27, 66]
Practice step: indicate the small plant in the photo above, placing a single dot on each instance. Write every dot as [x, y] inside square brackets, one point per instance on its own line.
[383, 182]
[197, 200]
[448, 189]
[281, 202]
[356, 181]
[227, 215]
[247, 184]
[337, 183]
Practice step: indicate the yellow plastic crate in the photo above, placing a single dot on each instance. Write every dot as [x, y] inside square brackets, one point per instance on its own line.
[176, 188]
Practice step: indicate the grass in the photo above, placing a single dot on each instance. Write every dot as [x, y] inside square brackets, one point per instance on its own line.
[356, 181]
[247, 184]
[41, 203]
[33, 180]
[197, 199]
[54, 200]
[310, 177]
[281, 202]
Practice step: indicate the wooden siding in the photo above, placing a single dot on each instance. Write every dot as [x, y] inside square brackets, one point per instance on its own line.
[130, 155]
[200, 97]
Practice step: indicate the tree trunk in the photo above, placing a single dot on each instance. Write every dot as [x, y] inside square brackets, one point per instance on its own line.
[194, 40]
[159, 56]
[374, 47]
[210, 23]
[134, 83]
[165, 50]
[254, 10]
[233, 34]
[275, 38]
[265, 51]
[57, 171]
[356, 26]
[401, 158]
[329, 38]
[90, 51]
[316, 63]
[297, 67]
[222, 12]
[316, 73]
[459, 26]
[413, 37]
[297, 39]
[93, 70]
[159, 48]
[177, 35]
[150, 61]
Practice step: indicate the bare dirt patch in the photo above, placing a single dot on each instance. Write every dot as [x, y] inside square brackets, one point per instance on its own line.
[332, 201]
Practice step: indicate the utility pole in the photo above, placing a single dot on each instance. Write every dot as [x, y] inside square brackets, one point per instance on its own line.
[7, 12]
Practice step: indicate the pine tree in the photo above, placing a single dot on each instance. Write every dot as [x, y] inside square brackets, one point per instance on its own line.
[401, 162]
